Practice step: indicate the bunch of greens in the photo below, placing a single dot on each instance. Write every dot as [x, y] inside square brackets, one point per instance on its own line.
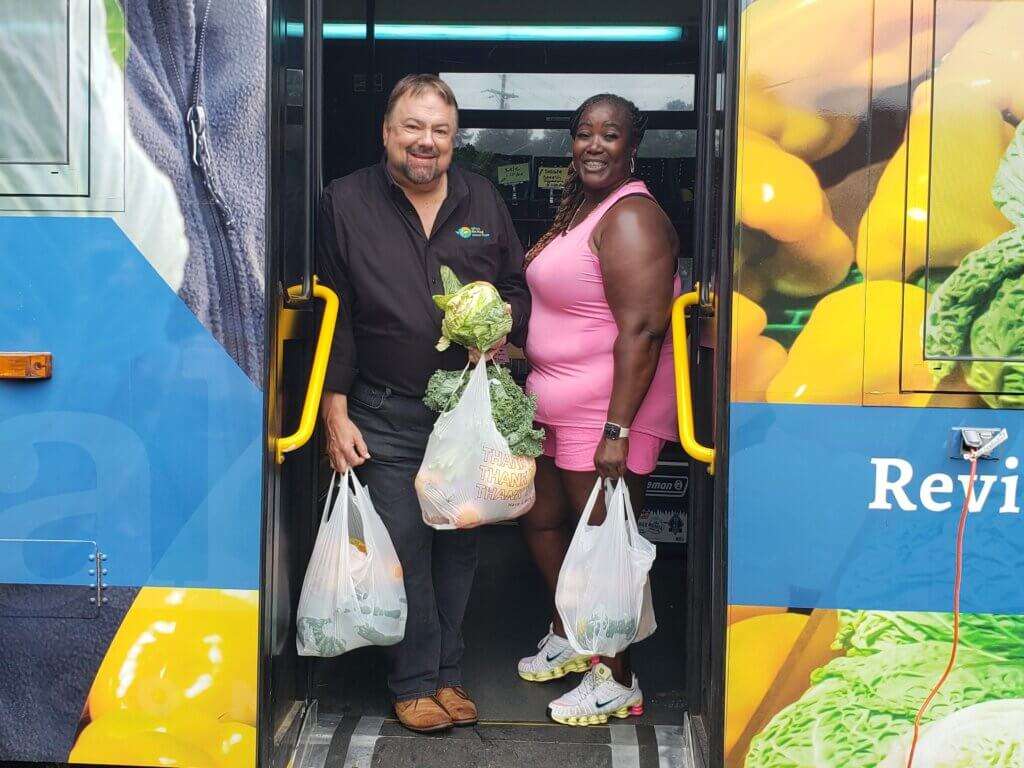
[978, 312]
[474, 315]
[513, 409]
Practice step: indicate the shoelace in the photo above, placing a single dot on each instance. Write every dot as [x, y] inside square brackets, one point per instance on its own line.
[589, 684]
[547, 637]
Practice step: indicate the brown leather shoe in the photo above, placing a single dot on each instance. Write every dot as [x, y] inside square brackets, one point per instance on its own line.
[457, 704]
[423, 715]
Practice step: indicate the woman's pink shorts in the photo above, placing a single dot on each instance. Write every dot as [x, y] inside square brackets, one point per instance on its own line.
[573, 449]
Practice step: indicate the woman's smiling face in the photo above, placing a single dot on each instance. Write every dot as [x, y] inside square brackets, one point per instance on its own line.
[602, 147]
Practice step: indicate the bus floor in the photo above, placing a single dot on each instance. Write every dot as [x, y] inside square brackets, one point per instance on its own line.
[505, 619]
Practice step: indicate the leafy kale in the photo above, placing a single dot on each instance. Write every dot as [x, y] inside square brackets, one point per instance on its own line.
[513, 409]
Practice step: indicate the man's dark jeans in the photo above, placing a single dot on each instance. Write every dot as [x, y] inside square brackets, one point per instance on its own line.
[439, 565]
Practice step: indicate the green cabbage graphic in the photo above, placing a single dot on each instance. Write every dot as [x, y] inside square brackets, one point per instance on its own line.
[859, 707]
[474, 314]
[988, 735]
[862, 633]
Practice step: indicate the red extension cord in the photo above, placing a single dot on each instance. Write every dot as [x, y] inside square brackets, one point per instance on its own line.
[957, 580]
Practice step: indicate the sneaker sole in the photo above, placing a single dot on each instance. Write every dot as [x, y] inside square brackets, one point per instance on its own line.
[579, 664]
[632, 710]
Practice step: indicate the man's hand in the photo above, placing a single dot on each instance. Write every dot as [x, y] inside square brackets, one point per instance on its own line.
[475, 354]
[345, 444]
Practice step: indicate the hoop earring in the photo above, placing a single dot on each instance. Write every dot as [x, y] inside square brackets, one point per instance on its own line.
[632, 165]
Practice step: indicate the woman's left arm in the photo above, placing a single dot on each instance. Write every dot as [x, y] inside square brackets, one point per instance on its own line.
[636, 245]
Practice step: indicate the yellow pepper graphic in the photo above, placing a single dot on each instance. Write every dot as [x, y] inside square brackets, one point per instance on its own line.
[805, 253]
[757, 648]
[828, 362]
[809, 68]
[756, 359]
[178, 683]
[798, 131]
[988, 59]
[945, 214]
[824, 56]
[133, 738]
[957, 128]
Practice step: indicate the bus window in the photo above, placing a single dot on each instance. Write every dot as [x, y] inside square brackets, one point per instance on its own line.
[965, 210]
[552, 92]
[44, 101]
[39, 75]
[944, 223]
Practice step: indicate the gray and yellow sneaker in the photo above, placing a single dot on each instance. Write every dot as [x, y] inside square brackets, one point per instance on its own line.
[554, 659]
[597, 698]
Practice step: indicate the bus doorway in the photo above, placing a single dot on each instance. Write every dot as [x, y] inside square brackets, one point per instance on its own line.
[518, 74]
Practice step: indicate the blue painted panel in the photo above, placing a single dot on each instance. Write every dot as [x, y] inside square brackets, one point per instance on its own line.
[148, 438]
[802, 530]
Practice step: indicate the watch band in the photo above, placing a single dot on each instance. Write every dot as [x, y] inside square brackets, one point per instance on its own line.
[615, 431]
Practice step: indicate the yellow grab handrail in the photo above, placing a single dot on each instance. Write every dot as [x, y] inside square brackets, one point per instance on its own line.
[315, 388]
[684, 390]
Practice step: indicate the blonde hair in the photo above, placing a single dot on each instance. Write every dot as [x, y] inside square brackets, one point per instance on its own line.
[417, 84]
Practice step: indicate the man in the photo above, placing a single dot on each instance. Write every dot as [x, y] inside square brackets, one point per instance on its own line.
[385, 232]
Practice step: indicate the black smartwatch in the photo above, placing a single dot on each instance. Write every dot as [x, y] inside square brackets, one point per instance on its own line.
[614, 431]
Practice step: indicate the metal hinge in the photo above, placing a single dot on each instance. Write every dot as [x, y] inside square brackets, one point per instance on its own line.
[99, 573]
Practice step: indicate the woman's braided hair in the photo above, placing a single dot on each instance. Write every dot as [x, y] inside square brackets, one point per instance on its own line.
[572, 193]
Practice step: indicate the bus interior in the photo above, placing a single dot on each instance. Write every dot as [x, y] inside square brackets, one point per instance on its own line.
[518, 72]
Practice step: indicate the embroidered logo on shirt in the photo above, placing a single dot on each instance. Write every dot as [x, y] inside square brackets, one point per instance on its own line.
[467, 232]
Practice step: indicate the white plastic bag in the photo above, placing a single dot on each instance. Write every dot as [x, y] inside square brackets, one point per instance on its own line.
[469, 477]
[353, 594]
[603, 593]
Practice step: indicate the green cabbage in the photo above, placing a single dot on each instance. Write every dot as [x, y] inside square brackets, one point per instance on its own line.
[474, 315]
[978, 311]
[513, 409]
[860, 706]
[989, 734]
[863, 633]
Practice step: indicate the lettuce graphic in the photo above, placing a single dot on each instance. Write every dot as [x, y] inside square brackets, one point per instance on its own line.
[978, 311]
[859, 707]
[988, 735]
[474, 314]
[862, 633]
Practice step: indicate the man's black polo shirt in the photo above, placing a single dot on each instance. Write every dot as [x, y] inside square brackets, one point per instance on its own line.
[374, 254]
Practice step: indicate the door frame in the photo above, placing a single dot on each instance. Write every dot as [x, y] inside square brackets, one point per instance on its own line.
[706, 577]
[293, 125]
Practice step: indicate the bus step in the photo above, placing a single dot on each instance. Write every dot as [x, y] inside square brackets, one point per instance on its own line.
[373, 742]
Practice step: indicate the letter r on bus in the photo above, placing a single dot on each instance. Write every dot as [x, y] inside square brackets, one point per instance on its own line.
[884, 484]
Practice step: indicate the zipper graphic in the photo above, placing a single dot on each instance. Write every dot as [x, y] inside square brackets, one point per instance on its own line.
[214, 210]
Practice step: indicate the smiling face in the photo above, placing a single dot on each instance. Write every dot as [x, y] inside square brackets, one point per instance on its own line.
[602, 148]
[418, 137]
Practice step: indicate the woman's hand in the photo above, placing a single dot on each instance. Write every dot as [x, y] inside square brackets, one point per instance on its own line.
[610, 459]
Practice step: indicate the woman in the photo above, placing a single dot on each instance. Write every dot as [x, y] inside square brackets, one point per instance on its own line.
[602, 281]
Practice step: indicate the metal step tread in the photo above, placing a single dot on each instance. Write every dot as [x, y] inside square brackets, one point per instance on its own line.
[374, 742]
